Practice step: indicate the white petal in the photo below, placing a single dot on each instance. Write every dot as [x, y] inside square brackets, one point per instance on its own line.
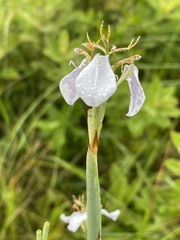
[137, 93]
[67, 84]
[75, 220]
[96, 82]
[112, 215]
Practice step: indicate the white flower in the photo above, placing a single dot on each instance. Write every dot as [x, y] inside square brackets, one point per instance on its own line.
[137, 93]
[77, 218]
[112, 215]
[94, 83]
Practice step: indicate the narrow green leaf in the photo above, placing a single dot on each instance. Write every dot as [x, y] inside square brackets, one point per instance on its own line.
[38, 235]
[63, 41]
[45, 231]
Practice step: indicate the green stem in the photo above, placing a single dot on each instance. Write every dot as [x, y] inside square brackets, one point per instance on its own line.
[95, 119]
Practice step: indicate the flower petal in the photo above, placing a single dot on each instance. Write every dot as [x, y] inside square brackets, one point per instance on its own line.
[75, 220]
[96, 82]
[67, 84]
[112, 215]
[137, 93]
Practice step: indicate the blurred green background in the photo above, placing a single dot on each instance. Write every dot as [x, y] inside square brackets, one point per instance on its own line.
[44, 141]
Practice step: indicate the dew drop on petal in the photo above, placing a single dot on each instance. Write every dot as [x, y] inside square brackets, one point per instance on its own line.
[96, 78]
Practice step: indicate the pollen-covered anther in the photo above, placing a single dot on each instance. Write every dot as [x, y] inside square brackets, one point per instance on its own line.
[113, 47]
[101, 29]
[77, 50]
[137, 57]
[108, 33]
[82, 52]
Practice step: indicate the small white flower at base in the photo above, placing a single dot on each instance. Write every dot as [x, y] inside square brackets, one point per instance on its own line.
[77, 218]
[112, 215]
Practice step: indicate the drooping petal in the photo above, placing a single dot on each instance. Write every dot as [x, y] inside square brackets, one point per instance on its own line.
[96, 82]
[137, 92]
[112, 215]
[67, 84]
[75, 220]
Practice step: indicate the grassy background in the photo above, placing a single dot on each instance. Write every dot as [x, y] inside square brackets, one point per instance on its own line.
[44, 141]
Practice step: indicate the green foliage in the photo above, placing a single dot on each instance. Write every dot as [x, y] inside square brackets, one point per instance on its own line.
[43, 141]
[43, 235]
[175, 136]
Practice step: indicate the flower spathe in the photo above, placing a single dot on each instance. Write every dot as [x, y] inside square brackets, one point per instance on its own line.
[77, 218]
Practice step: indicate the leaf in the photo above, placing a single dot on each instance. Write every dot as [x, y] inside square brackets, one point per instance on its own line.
[63, 41]
[173, 165]
[9, 74]
[175, 137]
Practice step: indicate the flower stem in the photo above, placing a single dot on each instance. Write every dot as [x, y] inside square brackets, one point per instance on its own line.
[95, 119]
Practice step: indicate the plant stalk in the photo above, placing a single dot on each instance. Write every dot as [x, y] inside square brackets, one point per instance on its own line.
[95, 120]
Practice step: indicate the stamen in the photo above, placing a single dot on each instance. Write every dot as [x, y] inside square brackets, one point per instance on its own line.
[131, 45]
[88, 38]
[129, 60]
[101, 29]
[82, 52]
[108, 33]
[72, 63]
